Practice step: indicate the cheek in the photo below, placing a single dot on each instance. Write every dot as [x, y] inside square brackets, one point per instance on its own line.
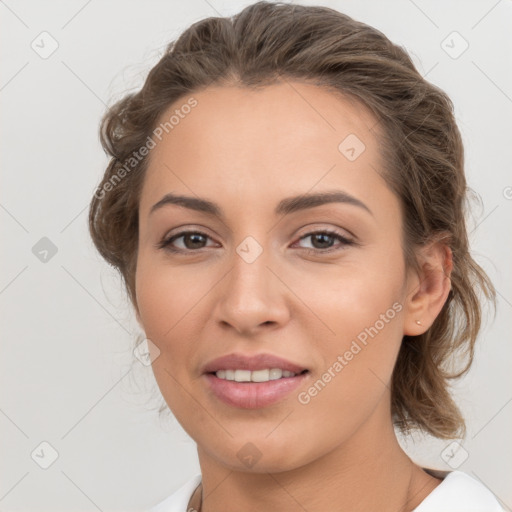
[352, 296]
[361, 306]
[165, 304]
[165, 296]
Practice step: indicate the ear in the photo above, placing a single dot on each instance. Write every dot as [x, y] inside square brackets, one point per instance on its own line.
[427, 288]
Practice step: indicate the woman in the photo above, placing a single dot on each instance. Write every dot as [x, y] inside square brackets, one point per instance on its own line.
[285, 202]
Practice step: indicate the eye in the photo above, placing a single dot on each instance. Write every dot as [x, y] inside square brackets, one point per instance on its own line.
[191, 240]
[323, 241]
[196, 240]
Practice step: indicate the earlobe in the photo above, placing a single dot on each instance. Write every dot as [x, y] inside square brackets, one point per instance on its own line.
[429, 288]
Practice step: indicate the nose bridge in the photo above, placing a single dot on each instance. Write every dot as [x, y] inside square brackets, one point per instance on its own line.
[250, 274]
[251, 294]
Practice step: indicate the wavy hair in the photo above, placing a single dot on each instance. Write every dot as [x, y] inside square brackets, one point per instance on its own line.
[420, 142]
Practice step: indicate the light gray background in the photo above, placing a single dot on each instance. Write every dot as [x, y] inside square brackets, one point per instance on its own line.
[66, 375]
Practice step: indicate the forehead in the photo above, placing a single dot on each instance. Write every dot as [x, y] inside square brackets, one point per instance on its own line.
[287, 111]
[239, 143]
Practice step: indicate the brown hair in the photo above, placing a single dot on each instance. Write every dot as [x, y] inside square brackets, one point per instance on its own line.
[421, 144]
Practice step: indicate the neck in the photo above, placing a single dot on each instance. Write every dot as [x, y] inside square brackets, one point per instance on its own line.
[369, 471]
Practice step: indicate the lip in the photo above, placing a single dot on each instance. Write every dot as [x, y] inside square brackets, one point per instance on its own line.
[237, 361]
[252, 395]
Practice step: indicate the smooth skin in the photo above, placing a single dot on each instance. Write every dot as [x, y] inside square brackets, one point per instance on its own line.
[246, 150]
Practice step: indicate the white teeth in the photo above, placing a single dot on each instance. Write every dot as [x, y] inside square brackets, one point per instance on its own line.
[260, 375]
[243, 375]
[254, 376]
[275, 373]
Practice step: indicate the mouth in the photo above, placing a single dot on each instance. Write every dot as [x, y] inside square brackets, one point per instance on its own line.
[254, 393]
[253, 362]
[252, 376]
[252, 381]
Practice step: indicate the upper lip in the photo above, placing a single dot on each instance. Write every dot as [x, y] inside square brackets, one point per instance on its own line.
[250, 362]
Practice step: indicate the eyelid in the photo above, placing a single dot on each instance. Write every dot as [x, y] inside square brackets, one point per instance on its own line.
[166, 242]
[336, 230]
[344, 241]
[187, 228]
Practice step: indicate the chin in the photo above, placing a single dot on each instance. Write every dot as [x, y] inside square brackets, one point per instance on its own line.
[259, 453]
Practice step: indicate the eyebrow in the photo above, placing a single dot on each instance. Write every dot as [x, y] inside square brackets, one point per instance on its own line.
[285, 206]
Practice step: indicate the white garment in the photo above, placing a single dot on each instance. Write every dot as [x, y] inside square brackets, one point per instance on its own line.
[458, 492]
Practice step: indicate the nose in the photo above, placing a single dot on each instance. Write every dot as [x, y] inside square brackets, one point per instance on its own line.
[253, 296]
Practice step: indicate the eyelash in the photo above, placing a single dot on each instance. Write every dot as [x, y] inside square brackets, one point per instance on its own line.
[165, 244]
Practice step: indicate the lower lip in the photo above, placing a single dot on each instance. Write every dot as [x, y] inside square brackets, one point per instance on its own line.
[253, 395]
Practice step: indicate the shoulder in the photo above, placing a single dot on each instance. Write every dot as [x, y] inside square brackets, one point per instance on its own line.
[459, 492]
[178, 500]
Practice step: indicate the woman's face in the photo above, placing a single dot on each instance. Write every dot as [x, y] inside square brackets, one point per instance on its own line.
[263, 277]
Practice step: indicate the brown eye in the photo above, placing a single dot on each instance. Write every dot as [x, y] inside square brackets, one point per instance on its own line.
[192, 240]
[322, 241]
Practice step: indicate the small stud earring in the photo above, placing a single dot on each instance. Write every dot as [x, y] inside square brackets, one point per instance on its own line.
[418, 322]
